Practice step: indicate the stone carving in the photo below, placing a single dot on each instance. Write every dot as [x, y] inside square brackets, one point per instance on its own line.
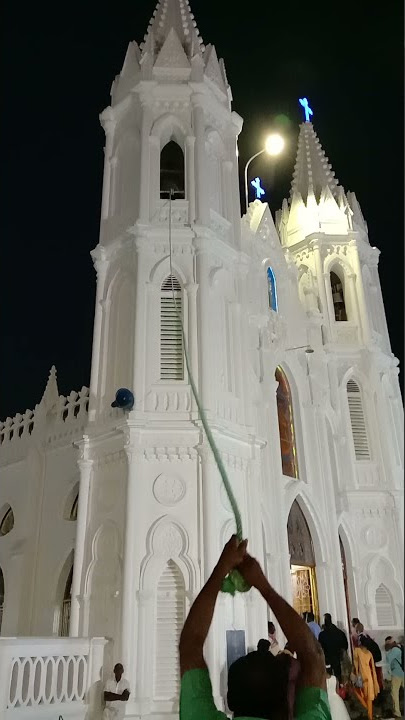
[167, 541]
[169, 489]
[374, 537]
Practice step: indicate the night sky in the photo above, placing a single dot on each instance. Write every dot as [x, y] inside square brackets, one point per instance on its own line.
[57, 66]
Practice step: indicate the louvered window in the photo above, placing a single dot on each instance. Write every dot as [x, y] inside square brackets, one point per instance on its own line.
[384, 607]
[359, 430]
[170, 616]
[171, 338]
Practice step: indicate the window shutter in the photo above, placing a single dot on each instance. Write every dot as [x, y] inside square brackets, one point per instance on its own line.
[170, 617]
[171, 338]
[384, 607]
[359, 430]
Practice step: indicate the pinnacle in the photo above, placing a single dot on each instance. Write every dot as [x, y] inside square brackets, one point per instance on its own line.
[312, 167]
[174, 14]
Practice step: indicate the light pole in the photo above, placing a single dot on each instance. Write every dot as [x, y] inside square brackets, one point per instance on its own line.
[274, 145]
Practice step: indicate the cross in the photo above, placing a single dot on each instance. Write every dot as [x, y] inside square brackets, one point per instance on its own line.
[307, 109]
[258, 189]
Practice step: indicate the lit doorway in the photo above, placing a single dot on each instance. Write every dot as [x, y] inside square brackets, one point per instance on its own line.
[302, 563]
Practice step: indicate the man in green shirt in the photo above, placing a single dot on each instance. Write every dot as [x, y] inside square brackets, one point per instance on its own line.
[258, 685]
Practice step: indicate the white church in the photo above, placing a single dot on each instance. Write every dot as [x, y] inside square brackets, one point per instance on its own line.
[111, 521]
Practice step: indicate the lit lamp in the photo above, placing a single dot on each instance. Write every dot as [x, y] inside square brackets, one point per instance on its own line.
[273, 146]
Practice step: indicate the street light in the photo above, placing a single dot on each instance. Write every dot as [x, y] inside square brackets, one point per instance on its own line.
[273, 146]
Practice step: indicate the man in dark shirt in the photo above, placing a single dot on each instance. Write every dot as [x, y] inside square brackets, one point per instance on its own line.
[333, 641]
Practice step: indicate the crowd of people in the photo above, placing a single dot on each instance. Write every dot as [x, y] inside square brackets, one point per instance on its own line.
[307, 679]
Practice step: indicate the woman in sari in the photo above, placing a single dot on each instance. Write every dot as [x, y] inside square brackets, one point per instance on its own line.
[366, 683]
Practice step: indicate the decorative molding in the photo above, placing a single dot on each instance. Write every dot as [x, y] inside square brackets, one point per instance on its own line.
[169, 489]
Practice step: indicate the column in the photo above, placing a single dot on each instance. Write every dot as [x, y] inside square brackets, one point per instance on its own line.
[109, 127]
[145, 655]
[360, 295]
[202, 214]
[101, 265]
[128, 592]
[190, 178]
[322, 291]
[191, 289]
[144, 192]
[227, 167]
[85, 466]
[351, 283]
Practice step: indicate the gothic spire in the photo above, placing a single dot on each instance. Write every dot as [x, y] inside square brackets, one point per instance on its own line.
[312, 170]
[174, 14]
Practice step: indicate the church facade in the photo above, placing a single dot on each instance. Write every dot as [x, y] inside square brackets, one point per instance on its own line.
[111, 521]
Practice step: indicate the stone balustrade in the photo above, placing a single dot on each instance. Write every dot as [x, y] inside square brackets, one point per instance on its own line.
[47, 677]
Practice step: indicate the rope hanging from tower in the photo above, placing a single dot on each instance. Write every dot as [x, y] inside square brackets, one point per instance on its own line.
[234, 582]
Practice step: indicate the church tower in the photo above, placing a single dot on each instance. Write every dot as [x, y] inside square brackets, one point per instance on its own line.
[353, 377]
[152, 516]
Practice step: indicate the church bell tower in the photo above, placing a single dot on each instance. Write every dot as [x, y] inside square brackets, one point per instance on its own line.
[152, 515]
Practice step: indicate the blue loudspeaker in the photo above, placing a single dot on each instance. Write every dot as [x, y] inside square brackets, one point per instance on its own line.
[124, 399]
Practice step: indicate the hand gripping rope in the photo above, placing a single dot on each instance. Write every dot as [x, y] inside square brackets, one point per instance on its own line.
[234, 582]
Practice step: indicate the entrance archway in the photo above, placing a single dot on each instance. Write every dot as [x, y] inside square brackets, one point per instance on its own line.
[302, 563]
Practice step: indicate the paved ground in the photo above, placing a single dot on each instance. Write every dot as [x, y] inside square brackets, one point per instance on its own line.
[382, 706]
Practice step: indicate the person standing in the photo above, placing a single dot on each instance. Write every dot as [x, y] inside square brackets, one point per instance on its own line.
[314, 627]
[366, 683]
[116, 694]
[337, 706]
[333, 642]
[363, 638]
[394, 660]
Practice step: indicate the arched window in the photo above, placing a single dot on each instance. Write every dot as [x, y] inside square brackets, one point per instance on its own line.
[384, 607]
[71, 504]
[170, 617]
[171, 336]
[357, 420]
[272, 289]
[7, 521]
[1, 596]
[172, 171]
[286, 426]
[64, 621]
[338, 297]
[73, 512]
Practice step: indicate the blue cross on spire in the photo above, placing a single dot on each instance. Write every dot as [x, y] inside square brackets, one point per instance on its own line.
[258, 189]
[307, 109]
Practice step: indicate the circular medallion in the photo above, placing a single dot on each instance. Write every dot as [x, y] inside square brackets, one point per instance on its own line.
[168, 489]
[374, 537]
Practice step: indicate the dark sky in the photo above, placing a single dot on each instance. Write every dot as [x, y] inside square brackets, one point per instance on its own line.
[57, 65]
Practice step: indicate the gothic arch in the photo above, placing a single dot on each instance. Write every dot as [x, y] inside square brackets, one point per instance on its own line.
[161, 270]
[296, 417]
[318, 535]
[170, 127]
[349, 549]
[381, 572]
[167, 540]
[61, 595]
[340, 263]
[103, 581]
[68, 507]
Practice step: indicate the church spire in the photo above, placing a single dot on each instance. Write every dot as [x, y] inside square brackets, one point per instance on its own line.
[176, 15]
[312, 172]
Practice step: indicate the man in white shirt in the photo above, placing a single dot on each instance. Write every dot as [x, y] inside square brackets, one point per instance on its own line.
[116, 694]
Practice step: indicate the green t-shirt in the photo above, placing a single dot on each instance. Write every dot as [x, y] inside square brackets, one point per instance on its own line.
[197, 703]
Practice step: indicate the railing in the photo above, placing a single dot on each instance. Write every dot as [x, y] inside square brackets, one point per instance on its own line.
[67, 418]
[45, 677]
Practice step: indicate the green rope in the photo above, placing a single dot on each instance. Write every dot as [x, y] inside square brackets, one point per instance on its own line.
[234, 581]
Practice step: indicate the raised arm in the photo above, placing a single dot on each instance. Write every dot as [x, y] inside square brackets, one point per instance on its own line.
[199, 619]
[297, 632]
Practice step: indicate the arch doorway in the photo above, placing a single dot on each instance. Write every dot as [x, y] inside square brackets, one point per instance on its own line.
[302, 563]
